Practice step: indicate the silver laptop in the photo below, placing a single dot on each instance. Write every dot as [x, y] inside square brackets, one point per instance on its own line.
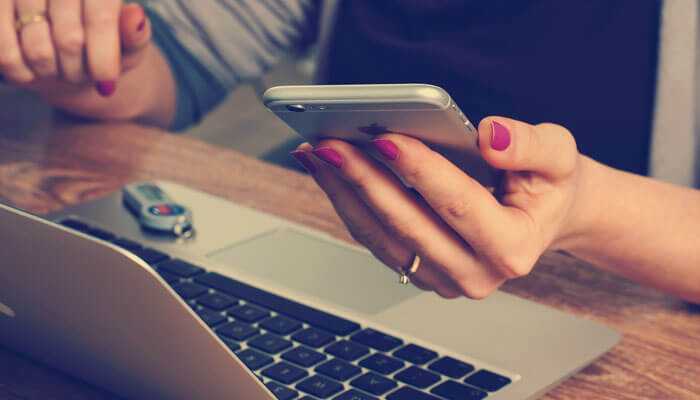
[256, 307]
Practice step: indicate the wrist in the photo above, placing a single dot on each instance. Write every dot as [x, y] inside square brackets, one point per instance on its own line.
[582, 227]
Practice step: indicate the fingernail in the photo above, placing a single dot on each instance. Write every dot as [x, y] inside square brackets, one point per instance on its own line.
[106, 88]
[304, 160]
[386, 148]
[141, 25]
[500, 136]
[330, 156]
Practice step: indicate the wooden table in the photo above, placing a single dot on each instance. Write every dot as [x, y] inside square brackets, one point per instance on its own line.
[47, 165]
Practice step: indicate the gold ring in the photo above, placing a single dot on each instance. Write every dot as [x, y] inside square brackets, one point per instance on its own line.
[405, 275]
[30, 18]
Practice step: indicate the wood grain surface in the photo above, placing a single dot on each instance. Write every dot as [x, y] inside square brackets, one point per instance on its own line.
[50, 165]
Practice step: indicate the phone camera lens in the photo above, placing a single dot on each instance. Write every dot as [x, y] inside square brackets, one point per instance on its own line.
[296, 108]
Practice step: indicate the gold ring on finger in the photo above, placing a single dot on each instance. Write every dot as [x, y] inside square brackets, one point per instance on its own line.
[405, 275]
[27, 19]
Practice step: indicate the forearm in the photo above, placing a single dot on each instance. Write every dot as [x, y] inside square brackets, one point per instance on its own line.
[646, 230]
[145, 94]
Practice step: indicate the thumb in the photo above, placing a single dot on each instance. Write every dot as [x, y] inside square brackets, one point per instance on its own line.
[134, 29]
[546, 149]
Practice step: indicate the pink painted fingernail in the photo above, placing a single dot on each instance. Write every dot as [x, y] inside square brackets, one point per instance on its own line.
[329, 155]
[386, 148]
[106, 88]
[500, 136]
[304, 160]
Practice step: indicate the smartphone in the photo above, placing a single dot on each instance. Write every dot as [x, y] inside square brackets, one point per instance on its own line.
[358, 113]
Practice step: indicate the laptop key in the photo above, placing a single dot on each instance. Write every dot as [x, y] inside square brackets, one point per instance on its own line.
[377, 340]
[347, 350]
[127, 244]
[338, 370]
[248, 313]
[409, 393]
[254, 359]
[353, 394]
[189, 290]
[320, 387]
[234, 346]
[373, 383]
[217, 301]
[237, 331]
[451, 367]
[101, 234]
[281, 325]
[415, 354]
[316, 318]
[487, 380]
[417, 377]
[169, 278]
[270, 343]
[313, 337]
[285, 373]
[211, 318]
[180, 268]
[303, 356]
[382, 363]
[281, 392]
[76, 225]
[452, 390]
[151, 256]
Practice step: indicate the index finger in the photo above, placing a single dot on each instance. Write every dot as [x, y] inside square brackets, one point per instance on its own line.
[462, 202]
[101, 18]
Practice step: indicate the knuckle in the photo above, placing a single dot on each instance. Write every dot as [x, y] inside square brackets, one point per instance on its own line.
[513, 266]
[455, 207]
[41, 56]
[474, 291]
[447, 294]
[413, 174]
[21, 78]
[9, 59]
[360, 182]
[103, 19]
[71, 42]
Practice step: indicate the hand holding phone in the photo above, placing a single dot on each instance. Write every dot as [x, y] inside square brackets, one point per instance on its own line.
[358, 113]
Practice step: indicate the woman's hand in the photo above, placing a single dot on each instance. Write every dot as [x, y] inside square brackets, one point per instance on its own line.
[470, 241]
[69, 45]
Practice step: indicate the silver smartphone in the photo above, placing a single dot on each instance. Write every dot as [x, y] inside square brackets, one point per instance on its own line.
[358, 113]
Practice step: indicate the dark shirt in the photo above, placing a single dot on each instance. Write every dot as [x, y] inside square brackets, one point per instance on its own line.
[588, 65]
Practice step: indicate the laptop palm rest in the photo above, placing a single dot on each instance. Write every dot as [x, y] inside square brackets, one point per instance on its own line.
[306, 264]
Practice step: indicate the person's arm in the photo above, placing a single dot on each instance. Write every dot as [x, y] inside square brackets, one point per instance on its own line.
[644, 229]
[202, 51]
[552, 198]
[93, 58]
[212, 47]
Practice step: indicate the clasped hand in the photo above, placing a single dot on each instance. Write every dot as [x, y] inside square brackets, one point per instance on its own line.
[70, 43]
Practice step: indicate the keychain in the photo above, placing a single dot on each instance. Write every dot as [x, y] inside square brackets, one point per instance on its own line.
[156, 211]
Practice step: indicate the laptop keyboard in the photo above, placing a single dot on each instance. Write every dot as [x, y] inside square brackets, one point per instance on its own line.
[303, 353]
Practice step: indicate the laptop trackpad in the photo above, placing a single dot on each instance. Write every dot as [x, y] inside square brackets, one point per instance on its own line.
[311, 265]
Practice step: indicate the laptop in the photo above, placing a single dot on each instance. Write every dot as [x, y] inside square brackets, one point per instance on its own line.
[257, 307]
